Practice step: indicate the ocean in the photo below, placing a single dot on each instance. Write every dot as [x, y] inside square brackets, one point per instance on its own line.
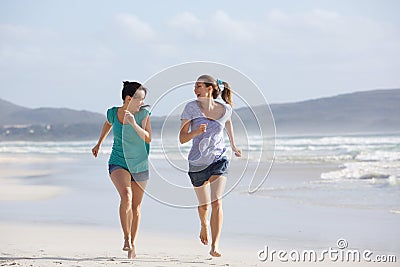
[363, 173]
[375, 158]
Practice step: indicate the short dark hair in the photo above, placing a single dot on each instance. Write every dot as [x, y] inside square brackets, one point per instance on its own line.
[130, 88]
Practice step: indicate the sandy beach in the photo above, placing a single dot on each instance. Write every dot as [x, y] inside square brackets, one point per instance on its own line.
[64, 213]
[62, 245]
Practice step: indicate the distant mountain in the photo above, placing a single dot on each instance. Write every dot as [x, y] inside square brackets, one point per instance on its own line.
[12, 114]
[374, 111]
[368, 111]
[7, 108]
[20, 123]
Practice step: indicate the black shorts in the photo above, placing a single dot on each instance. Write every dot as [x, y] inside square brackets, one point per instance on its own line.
[135, 177]
[219, 167]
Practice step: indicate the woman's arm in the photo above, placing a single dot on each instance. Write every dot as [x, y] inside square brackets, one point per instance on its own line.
[184, 134]
[146, 125]
[145, 131]
[104, 132]
[229, 130]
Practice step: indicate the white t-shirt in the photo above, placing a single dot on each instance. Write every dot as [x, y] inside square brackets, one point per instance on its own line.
[207, 147]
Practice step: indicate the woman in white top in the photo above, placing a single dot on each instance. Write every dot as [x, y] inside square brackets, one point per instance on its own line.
[203, 121]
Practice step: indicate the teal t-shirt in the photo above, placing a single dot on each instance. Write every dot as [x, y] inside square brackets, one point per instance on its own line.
[129, 150]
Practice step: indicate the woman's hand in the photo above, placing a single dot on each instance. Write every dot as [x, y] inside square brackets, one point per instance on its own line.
[104, 132]
[202, 129]
[95, 150]
[129, 118]
[238, 152]
[185, 135]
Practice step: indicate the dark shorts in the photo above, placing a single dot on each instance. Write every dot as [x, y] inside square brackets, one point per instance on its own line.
[135, 177]
[219, 167]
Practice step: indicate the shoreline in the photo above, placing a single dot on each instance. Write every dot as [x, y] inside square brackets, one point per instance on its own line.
[19, 173]
[79, 225]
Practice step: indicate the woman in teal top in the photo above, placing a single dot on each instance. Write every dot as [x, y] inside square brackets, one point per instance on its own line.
[128, 163]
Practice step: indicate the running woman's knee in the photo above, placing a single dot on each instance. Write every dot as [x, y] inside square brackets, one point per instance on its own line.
[136, 210]
[216, 204]
[204, 207]
[126, 196]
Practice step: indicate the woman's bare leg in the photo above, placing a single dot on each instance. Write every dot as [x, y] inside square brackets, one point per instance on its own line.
[122, 182]
[138, 191]
[203, 196]
[217, 184]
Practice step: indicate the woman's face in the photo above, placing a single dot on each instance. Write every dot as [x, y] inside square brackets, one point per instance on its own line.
[201, 90]
[137, 100]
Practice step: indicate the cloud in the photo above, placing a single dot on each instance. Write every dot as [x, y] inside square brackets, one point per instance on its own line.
[281, 50]
[136, 28]
[188, 24]
[277, 16]
[309, 39]
[326, 51]
[233, 30]
[326, 34]
[14, 31]
[22, 45]
[219, 27]
[311, 47]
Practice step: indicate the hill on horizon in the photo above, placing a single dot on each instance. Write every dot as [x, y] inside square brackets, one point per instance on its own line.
[12, 114]
[21, 123]
[365, 111]
[373, 111]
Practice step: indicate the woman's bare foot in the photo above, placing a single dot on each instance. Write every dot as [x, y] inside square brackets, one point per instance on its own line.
[214, 252]
[127, 245]
[132, 253]
[204, 235]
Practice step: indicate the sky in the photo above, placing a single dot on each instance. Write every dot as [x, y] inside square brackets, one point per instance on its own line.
[76, 54]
